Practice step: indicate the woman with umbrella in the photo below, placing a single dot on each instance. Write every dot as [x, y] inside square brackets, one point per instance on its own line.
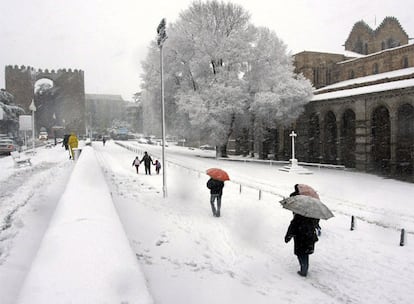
[307, 210]
[216, 184]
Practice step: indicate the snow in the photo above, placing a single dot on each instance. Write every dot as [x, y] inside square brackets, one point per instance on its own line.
[91, 227]
[188, 256]
[370, 78]
[400, 84]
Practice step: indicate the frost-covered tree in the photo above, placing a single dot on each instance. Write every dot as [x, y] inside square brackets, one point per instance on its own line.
[278, 93]
[11, 112]
[209, 45]
[220, 71]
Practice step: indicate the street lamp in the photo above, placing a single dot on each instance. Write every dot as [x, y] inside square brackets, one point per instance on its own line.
[161, 37]
[32, 108]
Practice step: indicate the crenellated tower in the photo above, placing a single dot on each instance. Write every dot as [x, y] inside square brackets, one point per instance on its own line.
[68, 107]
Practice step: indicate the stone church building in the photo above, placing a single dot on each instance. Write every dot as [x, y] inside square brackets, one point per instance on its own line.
[362, 112]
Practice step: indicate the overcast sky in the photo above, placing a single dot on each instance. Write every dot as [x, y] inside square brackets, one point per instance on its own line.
[108, 39]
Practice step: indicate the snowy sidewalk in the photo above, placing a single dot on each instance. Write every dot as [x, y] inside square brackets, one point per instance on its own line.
[85, 256]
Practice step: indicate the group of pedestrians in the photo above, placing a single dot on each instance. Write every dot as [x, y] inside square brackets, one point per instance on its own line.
[304, 230]
[70, 142]
[147, 160]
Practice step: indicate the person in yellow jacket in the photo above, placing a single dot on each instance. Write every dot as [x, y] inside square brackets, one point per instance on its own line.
[72, 143]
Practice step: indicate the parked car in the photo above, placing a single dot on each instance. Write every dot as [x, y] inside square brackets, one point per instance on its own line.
[7, 145]
[158, 142]
[207, 147]
[142, 141]
[43, 136]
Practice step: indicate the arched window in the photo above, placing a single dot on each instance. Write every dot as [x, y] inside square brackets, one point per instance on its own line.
[405, 62]
[383, 45]
[351, 74]
[375, 68]
[381, 139]
[366, 48]
[347, 141]
[328, 76]
[405, 140]
[330, 138]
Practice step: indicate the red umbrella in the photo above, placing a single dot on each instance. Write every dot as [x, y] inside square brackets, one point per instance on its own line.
[307, 190]
[218, 174]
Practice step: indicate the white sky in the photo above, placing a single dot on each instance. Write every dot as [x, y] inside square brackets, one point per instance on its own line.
[108, 39]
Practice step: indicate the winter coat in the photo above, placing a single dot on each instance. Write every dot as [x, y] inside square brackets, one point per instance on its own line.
[73, 141]
[302, 229]
[65, 141]
[147, 160]
[215, 186]
[157, 164]
[136, 162]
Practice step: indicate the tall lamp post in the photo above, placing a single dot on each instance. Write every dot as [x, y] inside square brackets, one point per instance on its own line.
[161, 37]
[32, 108]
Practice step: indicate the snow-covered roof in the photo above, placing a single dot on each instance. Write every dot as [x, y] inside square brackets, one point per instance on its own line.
[377, 53]
[370, 78]
[344, 53]
[388, 86]
[353, 54]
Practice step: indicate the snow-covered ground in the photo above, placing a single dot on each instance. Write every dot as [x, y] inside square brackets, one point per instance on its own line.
[189, 256]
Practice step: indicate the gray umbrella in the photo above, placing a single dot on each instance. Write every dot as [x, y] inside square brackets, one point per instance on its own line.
[307, 206]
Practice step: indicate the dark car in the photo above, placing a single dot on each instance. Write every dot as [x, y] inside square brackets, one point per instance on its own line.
[7, 145]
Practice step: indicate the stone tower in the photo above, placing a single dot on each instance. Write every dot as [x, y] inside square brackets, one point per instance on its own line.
[68, 107]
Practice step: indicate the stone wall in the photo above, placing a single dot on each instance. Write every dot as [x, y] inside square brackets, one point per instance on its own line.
[69, 101]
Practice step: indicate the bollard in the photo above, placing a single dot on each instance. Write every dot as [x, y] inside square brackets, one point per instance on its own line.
[76, 153]
[240, 189]
[260, 195]
[402, 238]
[352, 223]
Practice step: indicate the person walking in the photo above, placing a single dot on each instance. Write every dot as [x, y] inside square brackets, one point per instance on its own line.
[103, 140]
[147, 163]
[157, 165]
[72, 143]
[65, 143]
[216, 192]
[303, 231]
[136, 163]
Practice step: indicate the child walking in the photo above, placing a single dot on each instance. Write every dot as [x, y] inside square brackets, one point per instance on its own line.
[136, 163]
[157, 165]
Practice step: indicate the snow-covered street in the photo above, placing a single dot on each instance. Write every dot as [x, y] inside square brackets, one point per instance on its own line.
[189, 256]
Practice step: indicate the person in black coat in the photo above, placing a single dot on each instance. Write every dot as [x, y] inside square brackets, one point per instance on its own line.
[303, 231]
[216, 191]
[147, 162]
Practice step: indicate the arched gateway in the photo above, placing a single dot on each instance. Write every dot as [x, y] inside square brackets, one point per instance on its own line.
[67, 105]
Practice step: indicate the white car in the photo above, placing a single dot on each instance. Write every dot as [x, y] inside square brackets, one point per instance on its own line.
[207, 147]
[142, 141]
[43, 136]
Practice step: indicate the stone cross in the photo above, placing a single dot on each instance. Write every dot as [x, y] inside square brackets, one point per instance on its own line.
[293, 135]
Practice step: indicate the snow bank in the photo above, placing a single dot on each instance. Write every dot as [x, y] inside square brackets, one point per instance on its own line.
[85, 256]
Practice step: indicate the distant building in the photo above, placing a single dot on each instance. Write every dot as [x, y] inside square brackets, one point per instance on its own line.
[362, 113]
[102, 110]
